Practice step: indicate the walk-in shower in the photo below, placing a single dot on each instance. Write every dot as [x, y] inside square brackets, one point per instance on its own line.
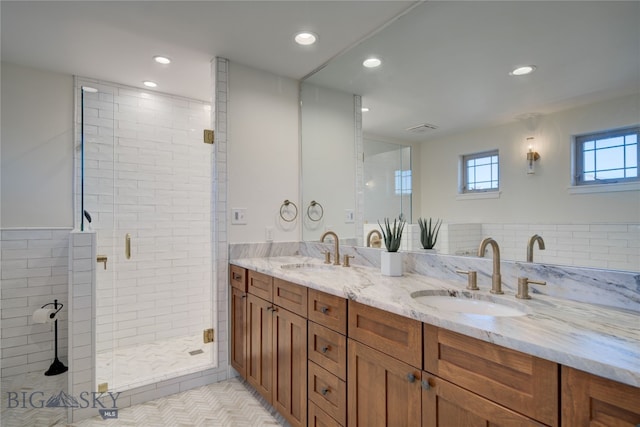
[144, 179]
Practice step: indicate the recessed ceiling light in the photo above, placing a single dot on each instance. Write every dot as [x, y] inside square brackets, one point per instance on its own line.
[162, 60]
[149, 83]
[365, 109]
[372, 62]
[305, 38]
[521, 71]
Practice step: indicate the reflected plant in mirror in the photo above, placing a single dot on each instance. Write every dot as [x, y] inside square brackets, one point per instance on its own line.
[429, 232]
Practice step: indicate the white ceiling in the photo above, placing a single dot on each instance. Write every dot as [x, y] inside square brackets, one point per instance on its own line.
[116, 40]
[447, 63]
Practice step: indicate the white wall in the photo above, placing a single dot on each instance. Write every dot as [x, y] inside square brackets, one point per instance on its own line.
[263, 152]
[539, 198]
[328, 159]
[37, 148]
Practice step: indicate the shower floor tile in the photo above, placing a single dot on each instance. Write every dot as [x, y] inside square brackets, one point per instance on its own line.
[143, 364]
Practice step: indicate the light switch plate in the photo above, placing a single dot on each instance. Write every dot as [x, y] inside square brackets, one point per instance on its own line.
[238, 216]
[349, 216]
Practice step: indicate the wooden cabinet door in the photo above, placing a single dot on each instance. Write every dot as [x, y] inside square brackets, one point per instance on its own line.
[260, 345]
[382, 391]
[239, 331]
[589, 400]
[290, 366]
[447, 405]
[519, 381]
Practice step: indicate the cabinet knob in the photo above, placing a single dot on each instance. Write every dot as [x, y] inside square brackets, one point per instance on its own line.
[325, 349]
[411, 377]
[236, 276]
[324, 391]
[426, 385]
[243, 296]
[324, 310]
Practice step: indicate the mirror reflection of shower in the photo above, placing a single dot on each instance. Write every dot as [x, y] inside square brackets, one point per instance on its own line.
[387, 181]
[143, 185]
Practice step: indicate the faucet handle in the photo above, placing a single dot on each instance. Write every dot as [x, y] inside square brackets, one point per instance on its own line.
[472, 279]
[523, 287]
[346, 260]
[327, 257]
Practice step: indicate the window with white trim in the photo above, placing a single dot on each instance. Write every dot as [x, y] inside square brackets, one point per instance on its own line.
[480, 172]
[607, 157]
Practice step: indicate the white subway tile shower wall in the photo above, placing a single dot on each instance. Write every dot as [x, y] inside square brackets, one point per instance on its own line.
[148, 173]
[34, 272]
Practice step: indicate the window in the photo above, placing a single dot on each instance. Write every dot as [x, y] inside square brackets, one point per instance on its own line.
[403, 182]
[480, 172]
[607, 157]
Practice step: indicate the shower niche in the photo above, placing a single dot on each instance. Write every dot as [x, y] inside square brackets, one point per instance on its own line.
[143, 185]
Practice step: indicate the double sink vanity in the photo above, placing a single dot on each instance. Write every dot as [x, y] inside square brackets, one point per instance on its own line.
[328, 345]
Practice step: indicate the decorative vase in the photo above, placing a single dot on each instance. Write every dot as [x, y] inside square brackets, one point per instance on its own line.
[391, 263]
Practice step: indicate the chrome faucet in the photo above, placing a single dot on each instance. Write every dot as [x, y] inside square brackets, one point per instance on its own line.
[496, 279]
[532, 240]
[336, 241]
[374, 243]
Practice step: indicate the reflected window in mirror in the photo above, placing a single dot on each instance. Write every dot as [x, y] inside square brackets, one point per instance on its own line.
[480, 172]
[607, 157]
[403, 182]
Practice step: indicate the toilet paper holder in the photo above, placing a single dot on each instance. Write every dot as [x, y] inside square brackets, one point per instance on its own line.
[56, 305]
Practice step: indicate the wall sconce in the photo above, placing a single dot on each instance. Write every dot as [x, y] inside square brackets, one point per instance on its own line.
[532, 156]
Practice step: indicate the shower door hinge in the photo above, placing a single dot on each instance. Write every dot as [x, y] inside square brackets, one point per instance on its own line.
[208, 136]
[207, 336]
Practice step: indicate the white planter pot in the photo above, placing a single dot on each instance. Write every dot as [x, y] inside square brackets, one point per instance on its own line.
[391, 263]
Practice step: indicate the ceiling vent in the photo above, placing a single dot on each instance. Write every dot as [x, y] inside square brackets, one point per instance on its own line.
[421, 128]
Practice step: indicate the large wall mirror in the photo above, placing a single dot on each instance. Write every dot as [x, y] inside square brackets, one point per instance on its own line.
[446, 88]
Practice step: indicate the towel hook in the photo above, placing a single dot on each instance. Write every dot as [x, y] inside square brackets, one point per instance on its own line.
[283, 209]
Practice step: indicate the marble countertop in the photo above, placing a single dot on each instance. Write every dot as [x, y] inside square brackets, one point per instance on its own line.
[597, 339]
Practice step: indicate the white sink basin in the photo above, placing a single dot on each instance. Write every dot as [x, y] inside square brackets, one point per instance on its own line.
[468, 303]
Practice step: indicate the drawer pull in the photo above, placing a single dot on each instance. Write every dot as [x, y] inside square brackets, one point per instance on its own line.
[325, 349]
[269, 308]
[324, 310]
[410, 377]
[243, 296]
[236, 276]
[426, 385]
[324, 391]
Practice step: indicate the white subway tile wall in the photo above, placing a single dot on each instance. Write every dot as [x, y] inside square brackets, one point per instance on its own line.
[148, 174]
[608, 246]
[34, 272]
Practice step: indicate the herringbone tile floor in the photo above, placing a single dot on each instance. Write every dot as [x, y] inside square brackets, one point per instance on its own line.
[229, 403]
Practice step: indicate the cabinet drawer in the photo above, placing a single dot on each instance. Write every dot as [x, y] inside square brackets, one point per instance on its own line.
[238, 277]
[328, 349]
[290, 296]
[328, 310]
[390, 333]
[319, 418]
[260, 285]
[521, 382]
[328, 392]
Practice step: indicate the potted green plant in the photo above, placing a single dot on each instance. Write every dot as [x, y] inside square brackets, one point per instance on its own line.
[391, 259]
[429, 232]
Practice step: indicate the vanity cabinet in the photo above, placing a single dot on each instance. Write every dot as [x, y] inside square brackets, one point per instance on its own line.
[277, 344]
[238, 280]
[327, 365]
[384, 359]
[486, 381]
[589, 400]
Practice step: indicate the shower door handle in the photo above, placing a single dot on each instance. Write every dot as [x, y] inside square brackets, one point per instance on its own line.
[127, 246]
